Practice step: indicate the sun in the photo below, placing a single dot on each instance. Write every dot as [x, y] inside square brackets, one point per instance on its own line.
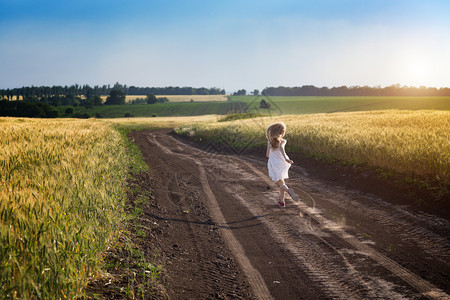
[418, 69]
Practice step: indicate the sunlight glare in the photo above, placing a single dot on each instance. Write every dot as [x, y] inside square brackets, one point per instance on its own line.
[417, 69]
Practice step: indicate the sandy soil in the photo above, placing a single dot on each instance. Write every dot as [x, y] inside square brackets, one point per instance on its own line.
[217, 228]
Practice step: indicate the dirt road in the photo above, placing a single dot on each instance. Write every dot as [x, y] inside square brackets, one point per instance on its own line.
[216, 224]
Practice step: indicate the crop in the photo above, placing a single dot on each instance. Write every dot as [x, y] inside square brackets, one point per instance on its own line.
[313, 105]
[161, 122]
[415, 143]
[61, 202]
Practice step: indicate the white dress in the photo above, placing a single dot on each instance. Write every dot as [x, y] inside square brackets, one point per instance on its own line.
[277, 164]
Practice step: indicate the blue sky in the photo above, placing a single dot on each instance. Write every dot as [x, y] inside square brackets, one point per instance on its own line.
[228, 44]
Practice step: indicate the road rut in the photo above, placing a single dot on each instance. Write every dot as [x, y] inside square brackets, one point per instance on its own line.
[333, 244]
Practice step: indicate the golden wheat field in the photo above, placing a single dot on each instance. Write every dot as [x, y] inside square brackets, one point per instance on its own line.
[61, 196]
[163, 122]
[61, 199]
[409, 142]
[196, 98]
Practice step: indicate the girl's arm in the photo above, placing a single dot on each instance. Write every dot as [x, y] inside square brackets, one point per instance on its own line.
[268, 150]
[285, 156]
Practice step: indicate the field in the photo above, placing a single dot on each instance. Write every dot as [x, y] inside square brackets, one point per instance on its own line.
[61, 203]
[62, 182]
[313, 105]
[179, 98]
[62, 197]
[279, 106]
[160, 109]
[195, 98]
[414, 143]
[162, 122]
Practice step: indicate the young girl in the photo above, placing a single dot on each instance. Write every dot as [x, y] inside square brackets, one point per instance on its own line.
[279, 163]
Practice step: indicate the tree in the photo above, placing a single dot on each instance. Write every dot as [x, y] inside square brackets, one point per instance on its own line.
[97, 100]
[163, 100]
[202, 91]
[26, 109]
[263, 104]
[88, 92]
[116, 96]
[256, 93]
[151, 99]
[242, 92]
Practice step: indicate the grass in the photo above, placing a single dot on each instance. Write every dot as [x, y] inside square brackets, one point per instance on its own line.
[61, 203]
[159, 110]
[414, 143]
[241, 116]
[313, 105]
[279, 106]
[180, 105]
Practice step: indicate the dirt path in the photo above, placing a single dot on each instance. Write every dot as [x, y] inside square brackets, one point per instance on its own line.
[216, 224]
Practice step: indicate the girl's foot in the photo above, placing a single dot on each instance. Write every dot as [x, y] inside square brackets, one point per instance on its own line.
[293, 195]
[281, 204]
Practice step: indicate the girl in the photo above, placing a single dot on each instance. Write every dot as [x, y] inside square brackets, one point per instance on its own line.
[279, 163]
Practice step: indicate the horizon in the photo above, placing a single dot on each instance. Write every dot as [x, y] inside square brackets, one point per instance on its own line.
[248, 91]
[231, 46]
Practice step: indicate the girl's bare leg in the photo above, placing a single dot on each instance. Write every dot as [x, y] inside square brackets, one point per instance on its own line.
[283, 189]
[282, 195]
[282, 185]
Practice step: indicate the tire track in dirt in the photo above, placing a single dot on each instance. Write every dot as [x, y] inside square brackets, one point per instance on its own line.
[398, 221]
[255, 279]
[342, 277]
[176, 226]
[306, 255]
[425, 288]
[336, 275]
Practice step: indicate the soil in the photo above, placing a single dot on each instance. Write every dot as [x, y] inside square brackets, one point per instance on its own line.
[213, 221]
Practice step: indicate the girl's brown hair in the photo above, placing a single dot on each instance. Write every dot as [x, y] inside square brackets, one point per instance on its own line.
[274, 132]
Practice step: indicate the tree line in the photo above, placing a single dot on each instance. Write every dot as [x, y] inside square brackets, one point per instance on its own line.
[64, 94]
[26, 109]
[79, 94]
[393, 90]
[132, 90]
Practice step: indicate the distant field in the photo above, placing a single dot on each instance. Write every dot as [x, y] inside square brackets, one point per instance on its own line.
[180, 105]
[196, 98]
[160, 109]
[180, 98]
[409, 142]
[163, 122]
[313, 105]
[279, 106]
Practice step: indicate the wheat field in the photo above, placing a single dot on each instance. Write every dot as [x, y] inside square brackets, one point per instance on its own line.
[62, 181]
[415, 143]
[195, 98]
[163, 122]
[61, 196]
